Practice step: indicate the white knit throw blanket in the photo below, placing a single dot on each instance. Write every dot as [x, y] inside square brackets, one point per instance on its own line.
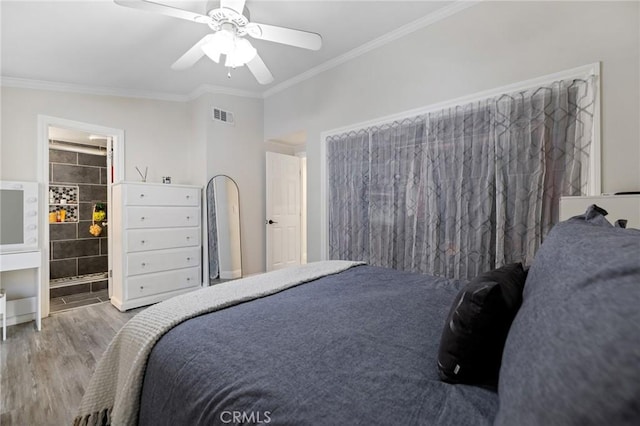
[113, 395]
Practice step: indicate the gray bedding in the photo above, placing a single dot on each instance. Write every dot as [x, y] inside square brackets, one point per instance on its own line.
[359, 347]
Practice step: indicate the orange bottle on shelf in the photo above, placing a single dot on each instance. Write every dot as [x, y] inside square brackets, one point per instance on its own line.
[63, 215]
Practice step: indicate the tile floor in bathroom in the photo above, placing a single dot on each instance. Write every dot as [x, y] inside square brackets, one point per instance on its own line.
[58, 304]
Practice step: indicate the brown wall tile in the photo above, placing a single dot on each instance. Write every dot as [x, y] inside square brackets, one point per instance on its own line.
[91, 193]
[64, 173]
[66, 157]
[63, 268]
[92, 160]
[70, 289]
[91, 265]
[63, 231]
[75, 248]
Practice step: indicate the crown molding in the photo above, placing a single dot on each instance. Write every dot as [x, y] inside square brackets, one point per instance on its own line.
[23, 83]
[425, 21]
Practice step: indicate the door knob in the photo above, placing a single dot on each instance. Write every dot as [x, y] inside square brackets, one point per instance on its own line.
[271, 222]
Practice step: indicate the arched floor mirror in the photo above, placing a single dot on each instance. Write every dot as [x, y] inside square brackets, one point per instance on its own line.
[223, 223]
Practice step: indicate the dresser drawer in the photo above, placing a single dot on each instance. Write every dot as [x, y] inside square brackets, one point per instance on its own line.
[149, 285]
[158, 239]
[161, 195]
[162, 260]
[162, 217]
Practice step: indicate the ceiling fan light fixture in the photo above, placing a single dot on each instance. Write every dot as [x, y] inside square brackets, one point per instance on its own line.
[221, 43]
[241, 54]
[238, 51]
[212, 51]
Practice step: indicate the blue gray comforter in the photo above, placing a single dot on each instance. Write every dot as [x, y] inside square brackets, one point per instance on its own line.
[359, 347]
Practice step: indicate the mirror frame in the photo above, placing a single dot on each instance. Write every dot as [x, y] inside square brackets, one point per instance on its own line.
[212, 205]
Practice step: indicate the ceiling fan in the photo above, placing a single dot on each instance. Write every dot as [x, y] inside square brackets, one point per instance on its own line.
[230, 24]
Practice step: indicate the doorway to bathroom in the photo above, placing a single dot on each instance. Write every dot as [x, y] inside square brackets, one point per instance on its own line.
[82, 162]
[78, 231]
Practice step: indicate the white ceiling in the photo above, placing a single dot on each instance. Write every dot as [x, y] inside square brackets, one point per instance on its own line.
[98, 44]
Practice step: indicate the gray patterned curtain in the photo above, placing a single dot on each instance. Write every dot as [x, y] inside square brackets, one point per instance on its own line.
[461, 190]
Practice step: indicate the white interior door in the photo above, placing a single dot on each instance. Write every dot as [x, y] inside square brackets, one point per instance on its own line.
[283, 211]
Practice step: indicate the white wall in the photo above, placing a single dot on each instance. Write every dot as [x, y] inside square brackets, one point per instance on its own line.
[486, 46]
[198, 109]
[157, 133]
[238, 151]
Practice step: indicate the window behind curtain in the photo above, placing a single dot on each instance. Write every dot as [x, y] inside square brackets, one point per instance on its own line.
[464, 189]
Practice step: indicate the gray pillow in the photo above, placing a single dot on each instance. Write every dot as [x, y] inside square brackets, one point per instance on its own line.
[572, 356]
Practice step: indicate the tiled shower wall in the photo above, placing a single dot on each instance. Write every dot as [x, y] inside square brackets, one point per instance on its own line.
[74, 251]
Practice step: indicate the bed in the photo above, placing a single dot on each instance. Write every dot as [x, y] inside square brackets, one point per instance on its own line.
[357, 347]
[346, 343]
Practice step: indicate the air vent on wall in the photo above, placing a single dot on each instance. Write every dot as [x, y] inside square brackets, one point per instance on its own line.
[221, 115]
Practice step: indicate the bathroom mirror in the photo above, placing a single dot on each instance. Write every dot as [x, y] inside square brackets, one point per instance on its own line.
[223, 221]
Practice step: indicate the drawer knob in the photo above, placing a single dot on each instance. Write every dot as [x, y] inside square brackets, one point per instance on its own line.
[144, 264]
[141, 217]
[188, 279]
[188, 259]
[141, 195]
[188, 238]
[188, 217]
[142, 241]
[188, 196]
[141, 287]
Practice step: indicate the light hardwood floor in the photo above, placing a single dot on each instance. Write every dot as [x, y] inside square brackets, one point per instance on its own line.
[43, 374]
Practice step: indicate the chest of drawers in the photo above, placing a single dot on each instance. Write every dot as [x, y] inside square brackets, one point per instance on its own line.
[156, 233]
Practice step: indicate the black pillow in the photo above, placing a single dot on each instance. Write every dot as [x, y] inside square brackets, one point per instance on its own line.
[477, 326]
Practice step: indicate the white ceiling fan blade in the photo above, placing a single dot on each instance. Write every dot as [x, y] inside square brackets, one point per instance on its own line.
[192, 55]
[283, 35]
[163, 9]
[260, 70]
[237, 5]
